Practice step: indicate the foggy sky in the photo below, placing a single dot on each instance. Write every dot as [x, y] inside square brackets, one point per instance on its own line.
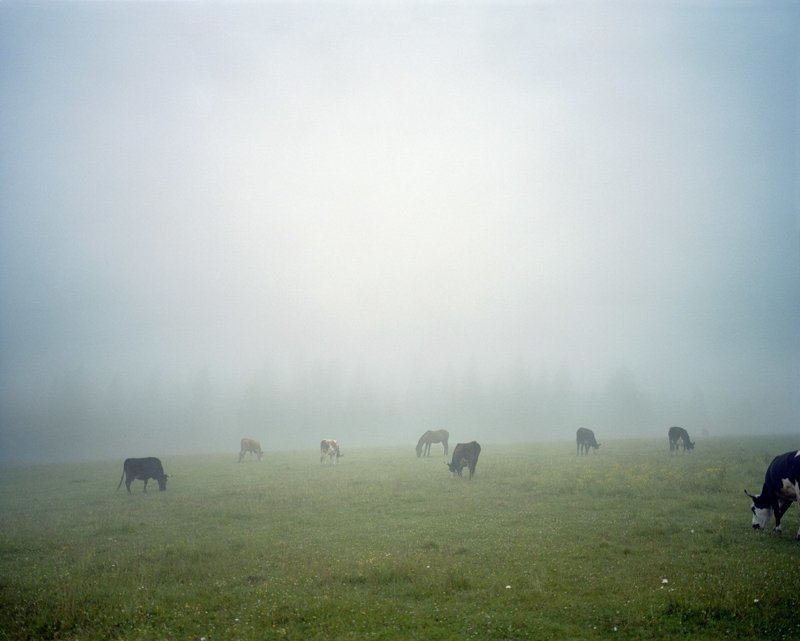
[287, 220]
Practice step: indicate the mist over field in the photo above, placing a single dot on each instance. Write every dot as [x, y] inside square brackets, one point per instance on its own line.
[297, 221]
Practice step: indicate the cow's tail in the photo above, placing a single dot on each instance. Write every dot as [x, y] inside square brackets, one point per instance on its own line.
[120, 478]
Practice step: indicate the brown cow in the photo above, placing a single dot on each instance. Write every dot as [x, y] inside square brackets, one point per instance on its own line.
[249, 445]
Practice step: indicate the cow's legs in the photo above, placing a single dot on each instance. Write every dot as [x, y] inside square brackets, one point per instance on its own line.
[797, 536]
[145, 486]
[780, 509]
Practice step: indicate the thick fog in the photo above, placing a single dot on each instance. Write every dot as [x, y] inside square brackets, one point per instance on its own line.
[297, 221]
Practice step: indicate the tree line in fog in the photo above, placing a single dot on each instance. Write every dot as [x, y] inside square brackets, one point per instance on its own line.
[72, 417]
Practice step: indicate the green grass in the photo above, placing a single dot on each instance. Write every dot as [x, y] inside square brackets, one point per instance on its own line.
[631, 543]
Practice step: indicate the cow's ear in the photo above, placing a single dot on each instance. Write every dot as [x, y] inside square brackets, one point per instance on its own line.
[752, 496]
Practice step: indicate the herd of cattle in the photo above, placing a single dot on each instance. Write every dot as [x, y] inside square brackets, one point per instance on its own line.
[781, 482]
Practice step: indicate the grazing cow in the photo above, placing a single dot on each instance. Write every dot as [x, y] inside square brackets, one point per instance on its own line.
[249, 445]
[437, 436]
[330, 449]
[781, 487]
[584, 439]
[679, 434]
[465, 455]
[141, 469]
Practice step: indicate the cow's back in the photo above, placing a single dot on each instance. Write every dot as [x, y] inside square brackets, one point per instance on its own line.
[148, 465]
[783, 467]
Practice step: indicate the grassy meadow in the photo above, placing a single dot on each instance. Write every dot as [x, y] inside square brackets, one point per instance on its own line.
[628, 543]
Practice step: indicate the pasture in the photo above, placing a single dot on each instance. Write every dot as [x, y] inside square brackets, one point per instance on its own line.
[630, 543]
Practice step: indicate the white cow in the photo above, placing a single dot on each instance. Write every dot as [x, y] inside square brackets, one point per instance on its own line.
[329, 448]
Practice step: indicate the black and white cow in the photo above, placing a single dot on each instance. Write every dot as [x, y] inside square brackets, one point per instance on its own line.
[329, 448]
[584, 439]
[781, 487]
[465, 455]
[679, 434]
[142, 469]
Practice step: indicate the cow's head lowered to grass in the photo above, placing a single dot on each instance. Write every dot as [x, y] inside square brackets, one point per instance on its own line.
[781, 489]
[761, 509]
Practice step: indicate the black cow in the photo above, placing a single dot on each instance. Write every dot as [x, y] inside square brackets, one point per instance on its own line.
[141, 469]
[465, 455]
[781, 487]
[679, 434]
[584, 439]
